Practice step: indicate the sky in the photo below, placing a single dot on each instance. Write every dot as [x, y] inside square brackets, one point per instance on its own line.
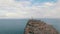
[29, 8]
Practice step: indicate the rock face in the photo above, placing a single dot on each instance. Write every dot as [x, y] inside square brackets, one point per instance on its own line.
[39, 27]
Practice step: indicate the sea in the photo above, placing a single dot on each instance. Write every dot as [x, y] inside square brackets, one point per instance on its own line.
[16, 26]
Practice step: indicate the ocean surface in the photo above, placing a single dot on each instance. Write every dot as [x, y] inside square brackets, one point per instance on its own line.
[16, 26]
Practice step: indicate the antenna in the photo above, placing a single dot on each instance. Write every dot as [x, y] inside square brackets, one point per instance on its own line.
[31, 17]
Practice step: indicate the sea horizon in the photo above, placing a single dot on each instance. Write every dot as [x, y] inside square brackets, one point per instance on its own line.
[16, 26]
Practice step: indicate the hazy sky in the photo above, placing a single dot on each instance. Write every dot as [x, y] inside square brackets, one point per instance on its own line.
[29, 8]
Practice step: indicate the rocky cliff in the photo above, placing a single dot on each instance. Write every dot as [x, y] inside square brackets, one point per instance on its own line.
[39, 27]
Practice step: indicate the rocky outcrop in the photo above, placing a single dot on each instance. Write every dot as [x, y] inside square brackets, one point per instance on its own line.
[39, 27]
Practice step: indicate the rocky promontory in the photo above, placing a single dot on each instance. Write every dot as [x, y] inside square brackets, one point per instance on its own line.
[39, 27]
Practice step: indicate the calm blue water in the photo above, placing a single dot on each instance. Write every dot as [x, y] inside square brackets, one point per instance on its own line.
[16, 26]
